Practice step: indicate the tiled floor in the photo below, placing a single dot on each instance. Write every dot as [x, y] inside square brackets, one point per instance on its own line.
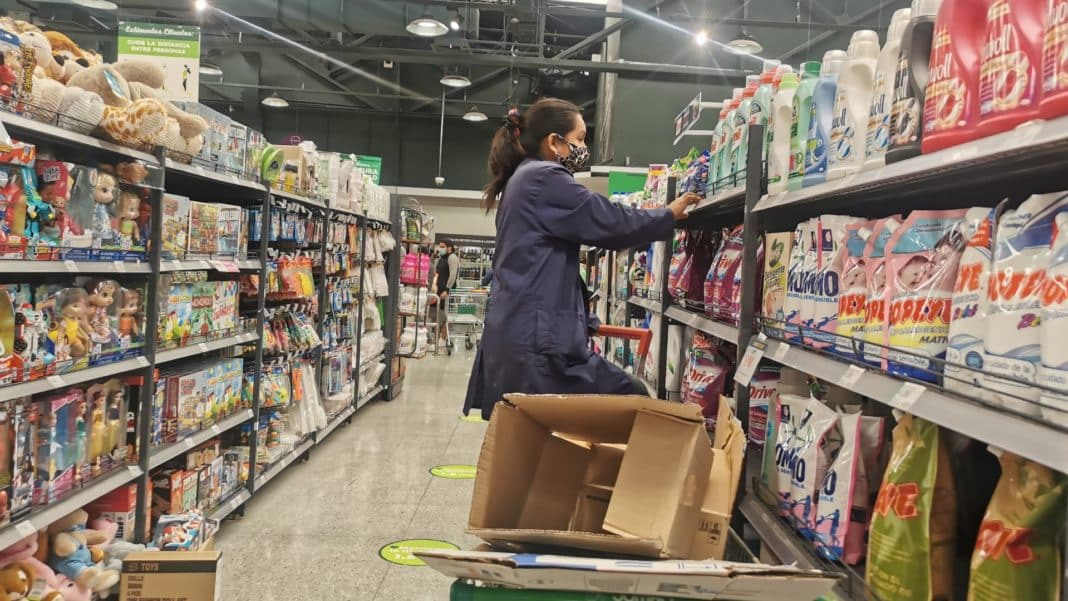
[316, 529]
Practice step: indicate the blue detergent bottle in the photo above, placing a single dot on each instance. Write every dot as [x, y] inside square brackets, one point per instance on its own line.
[822, 113]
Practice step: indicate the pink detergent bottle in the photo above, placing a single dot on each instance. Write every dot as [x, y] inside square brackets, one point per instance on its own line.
[1009, 85]
[1055, 60]
[951, 103]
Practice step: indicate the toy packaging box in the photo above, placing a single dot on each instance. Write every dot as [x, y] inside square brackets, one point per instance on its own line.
[220, 137]
[205, 156]
[188, 394]
[237, 149]
[54, 443]
[203, 306]
[75, 220]
[30, 358]
[13, 199]
[167, 492]
[23, 418]
[66, 310]
[189, 490]
[16, 69]
[54, 186]
[225, 307]
[203, 230]
[228, 241]
[127, 240]
[255, 145]
[179, 532]
[120, 506]
[175, 227]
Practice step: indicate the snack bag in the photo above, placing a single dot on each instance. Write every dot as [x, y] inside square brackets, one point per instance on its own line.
[777, 251]
[876, 310]
[854, 288]
[825, 283]
[705, 378]
[967, 325]
[802, 425]
[1053, 373]
[922, 260]
[842, 508]
[1012, 343]
[795, 281]
[913, 529]
[1019, 547]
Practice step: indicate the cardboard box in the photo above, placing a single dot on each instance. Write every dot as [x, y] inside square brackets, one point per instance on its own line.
[171, 576]
[612, 474]
[120, 506]
[679, 579]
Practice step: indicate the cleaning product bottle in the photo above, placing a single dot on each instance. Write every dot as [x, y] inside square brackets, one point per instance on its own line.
[779, 137]
[726, 159]
[1009, 87]
[910, 84]
[951, 102]
[849, 126]
[1054, 67]
[713, 151]
[740, 133]
[801, 110]
[820, 115]
[878, 138]
[760, 106]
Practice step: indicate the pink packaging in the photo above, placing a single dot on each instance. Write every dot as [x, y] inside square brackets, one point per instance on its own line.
[876, 312]
[726, 264]
[712, 274]
[762, 389]
[824, 284]
[705, 378]
[922, 260]
[842, 508]
[732, 290]
[853, 297]
[679, 260]
[795, 280]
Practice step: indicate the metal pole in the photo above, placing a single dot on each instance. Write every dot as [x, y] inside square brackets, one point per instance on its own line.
[261, 302]
[364, 230]
[441, 132]
[665, 301]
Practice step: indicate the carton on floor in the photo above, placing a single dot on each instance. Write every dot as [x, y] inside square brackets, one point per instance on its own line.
[171, 576]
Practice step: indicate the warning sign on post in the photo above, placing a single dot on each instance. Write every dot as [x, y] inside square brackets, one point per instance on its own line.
[176, 48]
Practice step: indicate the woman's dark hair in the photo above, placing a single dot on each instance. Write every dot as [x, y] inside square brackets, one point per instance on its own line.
[520, 137]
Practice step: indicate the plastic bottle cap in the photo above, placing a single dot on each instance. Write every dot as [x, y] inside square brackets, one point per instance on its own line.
[864, 49]
[810, 69]
[788, 80]
[736, 93]
[751, 81]
[767, 78]
[832, 62]
[864, 34]
[925, 8]
[770, 65]
[749, 93]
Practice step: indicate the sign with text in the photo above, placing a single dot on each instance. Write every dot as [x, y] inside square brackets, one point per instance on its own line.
[176, 48]
[370, 165]
[689, 116]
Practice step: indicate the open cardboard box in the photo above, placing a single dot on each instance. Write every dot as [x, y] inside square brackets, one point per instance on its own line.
[620, 475]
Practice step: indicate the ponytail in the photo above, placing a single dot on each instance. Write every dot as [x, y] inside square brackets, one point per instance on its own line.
[520, 137]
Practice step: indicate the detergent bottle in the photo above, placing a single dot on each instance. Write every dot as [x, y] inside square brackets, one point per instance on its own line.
[713, 151]
[801, 110]
[910, 84]
[1009, 87]
[760, 106]
[779, 136]
[951, 102]
[878, 137]
[726, 159]
[1054, 67]
[740, 132]
[849, 125]
[821, 114]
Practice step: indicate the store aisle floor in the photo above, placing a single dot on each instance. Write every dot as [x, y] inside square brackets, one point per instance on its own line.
[316, 530]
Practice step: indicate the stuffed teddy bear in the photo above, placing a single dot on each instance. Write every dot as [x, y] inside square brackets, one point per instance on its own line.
[46, 93]
[146, 79]
[72, 557]
[22, 557]
[80, 111]
[127, 121]
[69, 56]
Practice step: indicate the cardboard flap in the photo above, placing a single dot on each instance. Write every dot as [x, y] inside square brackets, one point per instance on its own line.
[587, 541]
[504, 477]
[596, 418]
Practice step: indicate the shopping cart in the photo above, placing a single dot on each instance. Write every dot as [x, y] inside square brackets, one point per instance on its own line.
[644, 336]
[466, 314]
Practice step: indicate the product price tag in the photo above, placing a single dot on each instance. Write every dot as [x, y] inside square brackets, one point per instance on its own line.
[188, 443]
[215, 429]
[851, 376]
[235, 503]
[25, 528]
[142, 361]
[225, 266]
[779, 352]
[56, 381]
[748, 365]
[120, 267]
[71, 265]
[906, 396]
[203, 347]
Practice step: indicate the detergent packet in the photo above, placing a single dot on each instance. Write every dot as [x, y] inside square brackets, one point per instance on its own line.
[705, 247]
[872, 445]
[825, 284]
[726, 264]
[911, 544]
[712, 275]
[853, 298]
[706, 375]
[842, 508]
[1053, 373]
[800, 463]
[876, 311]
[1012, 341]
[777, 251]
[680, 257]
[790, 382]
[732, 292]
[795, 281]
[967, 325]
[762, 389]
[1020, 541]
[922, 260]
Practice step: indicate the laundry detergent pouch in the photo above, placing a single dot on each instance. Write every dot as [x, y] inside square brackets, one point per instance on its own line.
[732, 292]
[842, 508]
[1054, 67]
[706, 376]
[713, 274]
[777, 249]
[922, 260]
[1053, 373]
[800, 466]
[1020, 542]
[795, 281]
[705, 246]
[825, 285]
[810, 269]
[1012, 347]
[872, 441]
[967, 324]
[853, 298]
[679, 258]
[762, 389]
[876, 310]
[726, 264]
[911, 544]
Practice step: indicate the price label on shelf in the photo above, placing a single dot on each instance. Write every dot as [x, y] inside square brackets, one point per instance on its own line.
[188, 443]
[203, 347]
[25, 528]
[120, 267]
[235, 503]
[906, 396]
[748, 365]
[71, 265]
[225, 266]
[779, 352]
[851, 376]
[56, 381]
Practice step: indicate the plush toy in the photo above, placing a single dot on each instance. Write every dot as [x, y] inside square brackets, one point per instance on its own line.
[69, 56]
[16, 581]
[72, 557]
[146, 80]
[80, 111]
[127, 121]
[46, 62]
[24, 554]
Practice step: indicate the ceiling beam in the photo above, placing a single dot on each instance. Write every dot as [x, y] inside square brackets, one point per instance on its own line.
[326, 79]
[597, 36]
[475, 83]
[851, 20]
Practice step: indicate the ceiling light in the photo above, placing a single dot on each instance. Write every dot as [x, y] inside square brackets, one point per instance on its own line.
[455, 81]
[475, 115]
[456, 22]
[210, 70]
[701, 38]
[744, 44]
[427, 26]
[97, 4]
[275, 101]
[201, 5]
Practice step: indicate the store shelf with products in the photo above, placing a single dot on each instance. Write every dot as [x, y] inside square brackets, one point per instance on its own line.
[279, 466]
[160, 455]
[337, 420]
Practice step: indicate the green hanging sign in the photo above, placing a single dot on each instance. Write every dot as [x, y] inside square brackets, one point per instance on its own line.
[453, 471]
[371, 166]
[403, 552]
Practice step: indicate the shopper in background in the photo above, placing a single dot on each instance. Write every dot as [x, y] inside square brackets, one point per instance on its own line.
[536, 337]
[445, 273]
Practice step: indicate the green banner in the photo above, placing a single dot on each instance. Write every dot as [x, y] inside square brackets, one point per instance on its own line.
[175, 48]
[371, 165]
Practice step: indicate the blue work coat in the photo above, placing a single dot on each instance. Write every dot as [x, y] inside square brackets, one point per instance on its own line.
[536, 337]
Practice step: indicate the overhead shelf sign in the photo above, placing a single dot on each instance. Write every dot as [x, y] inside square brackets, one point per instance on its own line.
[688, 118]
[175, 48]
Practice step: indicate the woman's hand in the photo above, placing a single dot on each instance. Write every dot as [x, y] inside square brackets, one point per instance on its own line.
[679, 206]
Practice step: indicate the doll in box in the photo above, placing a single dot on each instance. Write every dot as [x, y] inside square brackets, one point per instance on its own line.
[116, 425]
[12, 213]
[70, 329]
[80, 449]
[39, 215]
[105, 191]
[131, 319]
[102, 294]
[54, 187]
[24, 424]
[98, 437]
[129, 212]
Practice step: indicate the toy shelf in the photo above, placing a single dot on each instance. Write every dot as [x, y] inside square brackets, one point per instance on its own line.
[321, 435]
[31, 131]
[230, 505]
[74, 267]
[163, 454]
[201, 348]
[279, 466]
[49, 383]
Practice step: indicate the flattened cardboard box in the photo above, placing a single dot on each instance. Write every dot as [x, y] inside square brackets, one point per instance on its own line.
[717, 580]
[171, 576]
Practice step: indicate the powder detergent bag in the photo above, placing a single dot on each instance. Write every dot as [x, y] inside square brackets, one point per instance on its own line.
[762, 390]
[706, 376]
[680, 257]
[1053, 373]
[913, 528]
[803, 423]
[711, 278]
[842, 508]
[726, 264]
[1020, 540]
[795, 281]
[853, 298]
[1021, 256]
[825, 283]
[877, 309]
[922, 258]
[777, 249]
[791, 382]
[732, 290]
[967, 326]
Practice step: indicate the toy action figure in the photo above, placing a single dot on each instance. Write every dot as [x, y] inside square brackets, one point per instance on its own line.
[101, 298]
[103, 197]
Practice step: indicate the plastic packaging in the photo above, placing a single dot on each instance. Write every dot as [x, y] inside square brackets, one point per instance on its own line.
[877, 311]
[705, 377]
[725, 158]
[801, 112]
[820, 117]
[825, 285]
[852, 105]
[740, 132]
[777, 252]
[1053, 373]
[877, 139]
[1009, 86]
[842, 509]
[795, 279]
[910, 82]
[760, 106]
[951, 101]
[779, 137]
[853, 298]
[801, 466]
[1054, 68]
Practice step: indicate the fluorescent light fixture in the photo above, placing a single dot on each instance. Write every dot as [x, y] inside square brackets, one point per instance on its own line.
[701, 38]
[201, 5]
[475, 115]
[210, 70]
[455, 81]
[275, 101]
[427, 26]
[744, 44]
[97, 4]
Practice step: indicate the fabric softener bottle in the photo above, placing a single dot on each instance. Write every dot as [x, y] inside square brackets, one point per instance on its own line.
[820, 116]
[801, 111]
[878, 135]
[951, 102]
[1009, 86]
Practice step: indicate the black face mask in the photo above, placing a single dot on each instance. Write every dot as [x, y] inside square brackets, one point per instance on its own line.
[576, 161]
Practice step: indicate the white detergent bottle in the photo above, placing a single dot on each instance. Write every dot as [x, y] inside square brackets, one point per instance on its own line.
[725, 160]
[782, 108]
[849, 128]
[713, 151]
[820, 117]
[878, 139]
[740, 132]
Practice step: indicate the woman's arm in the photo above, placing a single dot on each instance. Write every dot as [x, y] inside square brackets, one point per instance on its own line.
[454, 270]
